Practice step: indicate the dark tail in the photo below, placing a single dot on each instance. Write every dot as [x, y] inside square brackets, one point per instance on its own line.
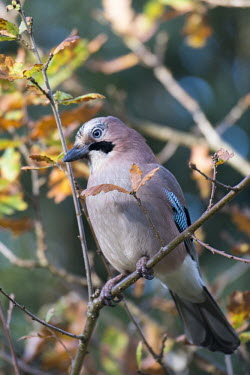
[205, 325]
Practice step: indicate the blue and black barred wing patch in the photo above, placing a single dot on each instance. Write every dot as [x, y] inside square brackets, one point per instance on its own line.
[180, 213]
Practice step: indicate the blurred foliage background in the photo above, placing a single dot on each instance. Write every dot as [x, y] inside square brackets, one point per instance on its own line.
[207, 49]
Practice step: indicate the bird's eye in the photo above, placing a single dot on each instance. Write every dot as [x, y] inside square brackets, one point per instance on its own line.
[97, 133]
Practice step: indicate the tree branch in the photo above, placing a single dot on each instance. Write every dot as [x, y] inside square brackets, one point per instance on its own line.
[95, 306]
[229, 3]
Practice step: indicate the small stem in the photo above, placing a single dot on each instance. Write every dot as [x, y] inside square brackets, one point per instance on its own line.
[211, 201]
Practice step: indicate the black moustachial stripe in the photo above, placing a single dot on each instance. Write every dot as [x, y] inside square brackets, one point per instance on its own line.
[103, 146]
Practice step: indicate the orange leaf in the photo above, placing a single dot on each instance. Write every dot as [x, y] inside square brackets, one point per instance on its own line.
[146, 178]
[65, 43]
[135, 176]
[17, 226]
[105, 188]
[59, 185]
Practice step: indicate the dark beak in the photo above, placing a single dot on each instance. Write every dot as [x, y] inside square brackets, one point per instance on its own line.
[76, 153]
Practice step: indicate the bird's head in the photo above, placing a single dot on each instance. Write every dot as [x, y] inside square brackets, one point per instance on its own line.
[103, 138]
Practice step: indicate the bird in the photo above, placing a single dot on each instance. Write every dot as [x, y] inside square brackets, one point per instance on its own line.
[128, 240]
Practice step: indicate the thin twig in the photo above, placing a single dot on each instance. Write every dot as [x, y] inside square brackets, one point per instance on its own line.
[95, 307]
[22, 365]
[157, 357]
[54, 108]
[12, 350]
[228, 187]
[34, 317]
[211, 200]
[229, 3]
[215, 251]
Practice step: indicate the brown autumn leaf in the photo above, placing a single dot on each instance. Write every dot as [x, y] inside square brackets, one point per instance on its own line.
[147, 177]
[201, 158]
[197, 30]
[241, 218]
[65, 43]
[6, 124]
[105, 188]
[59, 185]
[135, 176]
[222, 156]
[241, 248]
[10, 69]
[115, 65]
[46, 124]
[16, 226]
[239, 307]
[42, 158]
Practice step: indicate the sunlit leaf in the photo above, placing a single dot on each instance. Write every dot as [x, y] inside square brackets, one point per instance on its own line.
[31, 71]
[200, 156]
[7, 143]
[180, 5]
[135, 176]
[197, 30]
[139, 354]
[147, 177]
[16, 226]
[242, 247]
[42, 158]
[10, 164]
[60, 95]
[8, 29]
[11, 203]
[245, 337]
[10, 69]
[239, 307]
[65, 43]
[105, 188]
[59, 185]
[82, 98]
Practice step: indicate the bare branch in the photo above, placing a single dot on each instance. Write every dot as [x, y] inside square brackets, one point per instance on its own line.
[215, 251]
[34, 317]
[7, 334]
[25, 263]
[229, 3]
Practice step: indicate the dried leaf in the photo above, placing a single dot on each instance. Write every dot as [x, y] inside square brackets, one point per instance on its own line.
[105, 188]
[147, 177]
[82, 98]
[59, 185]
[16, 226]
[31, 71]
[65, 43]
[10, 69]
[42, 158]
[239, 307]
[135, 176]
[8, 29]
[222, 156]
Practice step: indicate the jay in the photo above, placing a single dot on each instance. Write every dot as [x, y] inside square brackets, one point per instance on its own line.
[128, 240]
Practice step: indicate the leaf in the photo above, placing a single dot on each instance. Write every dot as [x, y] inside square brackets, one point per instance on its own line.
[7, 143]
[241, 218]
[222, 156]
[60, 95]
[16, 226]
[8, 29]
[147, 177]
[82, 98]
[242, 248]
[47, 125]
[59, 185]
[32, 168]
[105, 188]
[11, 203]
[49, 314]
[239, 307]
[135, 176]
[200, 156]
[10, 69]
[65, 43]
[245, 337]
[139, 354]
[10, 164]
[31, 71]
[42, 158]
[197, 30]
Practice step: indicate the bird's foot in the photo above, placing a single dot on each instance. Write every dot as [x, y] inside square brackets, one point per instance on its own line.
[143, 270]
[106, 296]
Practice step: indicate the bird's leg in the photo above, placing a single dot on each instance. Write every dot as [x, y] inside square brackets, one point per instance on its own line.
[106, 296]
[143, 270]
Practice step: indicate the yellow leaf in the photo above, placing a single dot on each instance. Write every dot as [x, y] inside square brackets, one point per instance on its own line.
[59, 185]
[10, 69]
[239, 307]
[31, 71]
[8, 29]
[196, 30]
[10, 164]
[42, 158]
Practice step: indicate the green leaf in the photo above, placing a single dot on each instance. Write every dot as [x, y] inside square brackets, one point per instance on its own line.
[49, 314]
[82, 98]
[8, 29]
[31, 71]
[11, 203]
[245, 337]
[139, 354]
[10, 164]
[60, 95]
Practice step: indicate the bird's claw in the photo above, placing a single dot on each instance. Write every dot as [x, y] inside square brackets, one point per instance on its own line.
[143, 270]
[106, 296]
